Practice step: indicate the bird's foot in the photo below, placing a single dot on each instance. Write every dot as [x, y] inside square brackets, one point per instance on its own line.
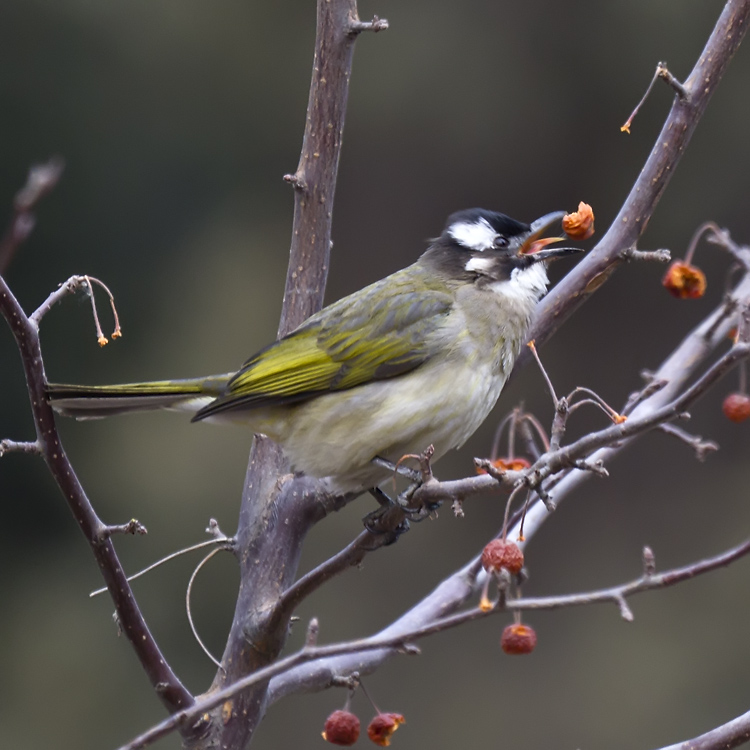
[404, 502]
[388, 520]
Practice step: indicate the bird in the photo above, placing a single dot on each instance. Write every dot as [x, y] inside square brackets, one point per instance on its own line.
[418, 358]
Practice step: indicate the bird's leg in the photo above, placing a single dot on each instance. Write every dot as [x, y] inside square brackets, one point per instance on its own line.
[383, 500]
[398, 468]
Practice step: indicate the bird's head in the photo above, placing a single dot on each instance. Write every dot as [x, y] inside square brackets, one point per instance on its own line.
[485, 247]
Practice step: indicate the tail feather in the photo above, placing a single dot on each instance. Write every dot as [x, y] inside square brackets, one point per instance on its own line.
[96, 401]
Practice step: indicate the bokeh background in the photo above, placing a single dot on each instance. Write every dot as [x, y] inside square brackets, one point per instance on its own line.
[177, 121]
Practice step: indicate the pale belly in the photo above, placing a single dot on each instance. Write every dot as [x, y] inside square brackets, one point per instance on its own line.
[337, 435]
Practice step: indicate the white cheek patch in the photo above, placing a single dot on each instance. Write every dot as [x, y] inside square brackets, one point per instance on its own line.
[480, 265]
[476, 235]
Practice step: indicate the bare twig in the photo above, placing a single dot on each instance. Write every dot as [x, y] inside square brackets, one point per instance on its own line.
[659, 256]
[732, 734]
[404, 638]
[647, 582]
[662, 72]
[532, 346]
[722, 238]
[73, 284]
[649, 562]
[133, 526]
[225, 542]
[351, 555]
[520, 486]
[701, 447]
[508, 418]
[12, 446]
[188, 610]
[529, 421]
[25, 329]
[377, 24]
[653, 386]
[641, 202]
[168, 687]
[41, 180]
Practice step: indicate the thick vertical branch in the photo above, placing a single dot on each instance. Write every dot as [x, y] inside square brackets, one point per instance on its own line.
[278, 509]
[315, 179]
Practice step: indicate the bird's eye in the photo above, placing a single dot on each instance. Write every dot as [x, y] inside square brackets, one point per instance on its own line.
[501, 241]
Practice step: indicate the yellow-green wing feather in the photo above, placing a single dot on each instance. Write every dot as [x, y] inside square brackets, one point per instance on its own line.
[380, 332]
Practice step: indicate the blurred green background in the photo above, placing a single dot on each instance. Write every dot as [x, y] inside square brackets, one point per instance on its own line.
[177, 121]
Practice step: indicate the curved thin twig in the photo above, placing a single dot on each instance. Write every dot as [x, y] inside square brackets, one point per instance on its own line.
[190, 614]
[171, 556]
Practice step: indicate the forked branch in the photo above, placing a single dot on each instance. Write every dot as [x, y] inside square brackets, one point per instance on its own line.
[173, 694]
[403, 641]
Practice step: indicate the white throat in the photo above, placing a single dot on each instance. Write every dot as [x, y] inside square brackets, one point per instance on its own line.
[525, 285]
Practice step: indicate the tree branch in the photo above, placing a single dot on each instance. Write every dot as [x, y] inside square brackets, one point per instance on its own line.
[455, 590]
[562, 301]
[639, 206]
[41, 180]
[351, 555]
[403, 640]
[732, 734]
[552, 462]
[173, 694]
[278, 509]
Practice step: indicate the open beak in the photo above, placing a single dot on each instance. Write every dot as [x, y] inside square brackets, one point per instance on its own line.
[534, 244]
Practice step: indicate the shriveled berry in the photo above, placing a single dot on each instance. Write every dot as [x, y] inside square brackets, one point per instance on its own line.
[684, 280]
[382, 727]
[507, 464]
[580, 224]
[499, 554]
[341, 728]
[518, 639]
[736, 407]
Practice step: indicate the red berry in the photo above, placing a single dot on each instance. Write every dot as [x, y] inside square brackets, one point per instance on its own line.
[499, 554]
[382, 727]
[684, 280]
[518, 639]
[342, 728]
[736, 407]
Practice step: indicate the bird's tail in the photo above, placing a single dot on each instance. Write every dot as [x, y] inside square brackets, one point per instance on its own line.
[96, 401]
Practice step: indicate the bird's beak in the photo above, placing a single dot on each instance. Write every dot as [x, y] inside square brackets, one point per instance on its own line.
[534, 244]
